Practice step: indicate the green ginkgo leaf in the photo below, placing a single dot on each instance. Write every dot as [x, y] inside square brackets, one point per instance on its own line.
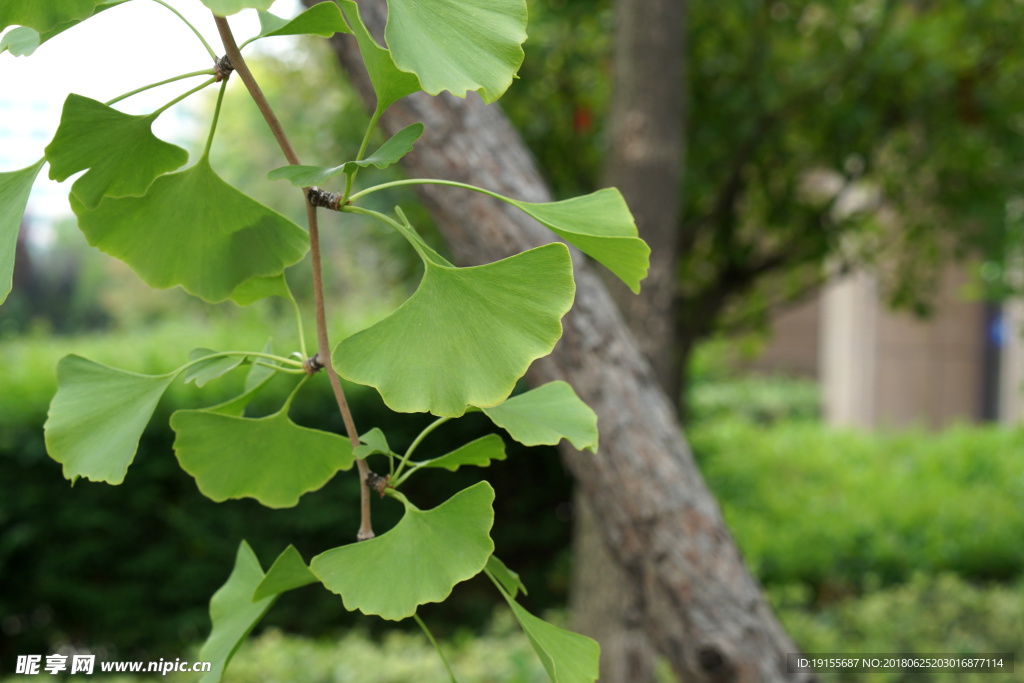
[602, 227]
[271, 458]
[479, 452]
[546, 415]
[509, 579]
[120, 151]
[15, 188]
[43, 15]
[567, 657]
[23, 41]
[258, 288]
[287, 573]
[389, 82]
[225, 8]
[373, 441]
[466, 335]
[234, 613]
[193, 229]
[208, 369]
[458, 45]
[323, 19]
[97, 416]
[420, 560]
[389, 153]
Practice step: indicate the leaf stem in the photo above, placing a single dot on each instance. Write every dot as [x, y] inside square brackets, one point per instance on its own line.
[417, 441]
[288, 401]
[437, 647]
[323, 345]
[192, 74]
[216, 116]
[179, 98]
[252, 354]
[213, 55]
[425, 181]
[350, 177]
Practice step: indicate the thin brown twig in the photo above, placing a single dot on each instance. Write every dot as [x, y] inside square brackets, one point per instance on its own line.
[323, 344]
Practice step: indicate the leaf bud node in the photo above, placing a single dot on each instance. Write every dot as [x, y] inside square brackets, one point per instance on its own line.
[323, 198]
[222, 68]
[377, 482]
[312, 365]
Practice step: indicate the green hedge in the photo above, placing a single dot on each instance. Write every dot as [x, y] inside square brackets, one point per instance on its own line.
[831, 508]
[130, 568]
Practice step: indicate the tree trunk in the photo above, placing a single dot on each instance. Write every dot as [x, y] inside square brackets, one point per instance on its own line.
[697, 603]
[645, 161]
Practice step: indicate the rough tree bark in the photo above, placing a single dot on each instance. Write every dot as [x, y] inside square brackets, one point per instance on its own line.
[699, 605]
[645, 161]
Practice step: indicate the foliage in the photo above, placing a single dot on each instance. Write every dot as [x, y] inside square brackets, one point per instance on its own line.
[927, 614]
[460, 343]
[830, 509]
[61, 587]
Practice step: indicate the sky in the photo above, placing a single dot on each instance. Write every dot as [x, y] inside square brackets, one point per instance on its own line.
[118, 50]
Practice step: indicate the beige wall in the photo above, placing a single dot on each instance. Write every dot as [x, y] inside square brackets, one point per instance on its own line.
[880, 368]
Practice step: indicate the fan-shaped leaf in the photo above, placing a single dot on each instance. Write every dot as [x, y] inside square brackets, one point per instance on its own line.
[43, 15]
[546, 415]
[23, 41]
[602, 227]
[251, 291]
[418, 561]
[323, 19]
[458, 45]
[466, 335]
[209, 369]
[97, 417]
[389, 82]
[287, 573]
[509, 579]
[14, 190]
[567, 657]
[120, 151]
[233, 612]
[193, 229]
[479, 452]
[373, 441]
[389, 153]
[225, 8]
[271, 459]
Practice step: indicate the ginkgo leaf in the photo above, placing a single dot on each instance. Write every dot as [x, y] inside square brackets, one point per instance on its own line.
[233, 612]
[602, 227]
[43, 15]
[225, 8]
[546, 415]
[271, 458]
[466, 335]
[23, 41]
[193, 229]
[389, 82]
[323, 19]
[258, 288]
[373, 441]
[567, 657]
[509, 579]
[389, 153]
[97, 416]
[458, 45]
[120, 151]
[287, 573]
[420, 560]
[479, 452]
[209, 369]
[14, 190]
